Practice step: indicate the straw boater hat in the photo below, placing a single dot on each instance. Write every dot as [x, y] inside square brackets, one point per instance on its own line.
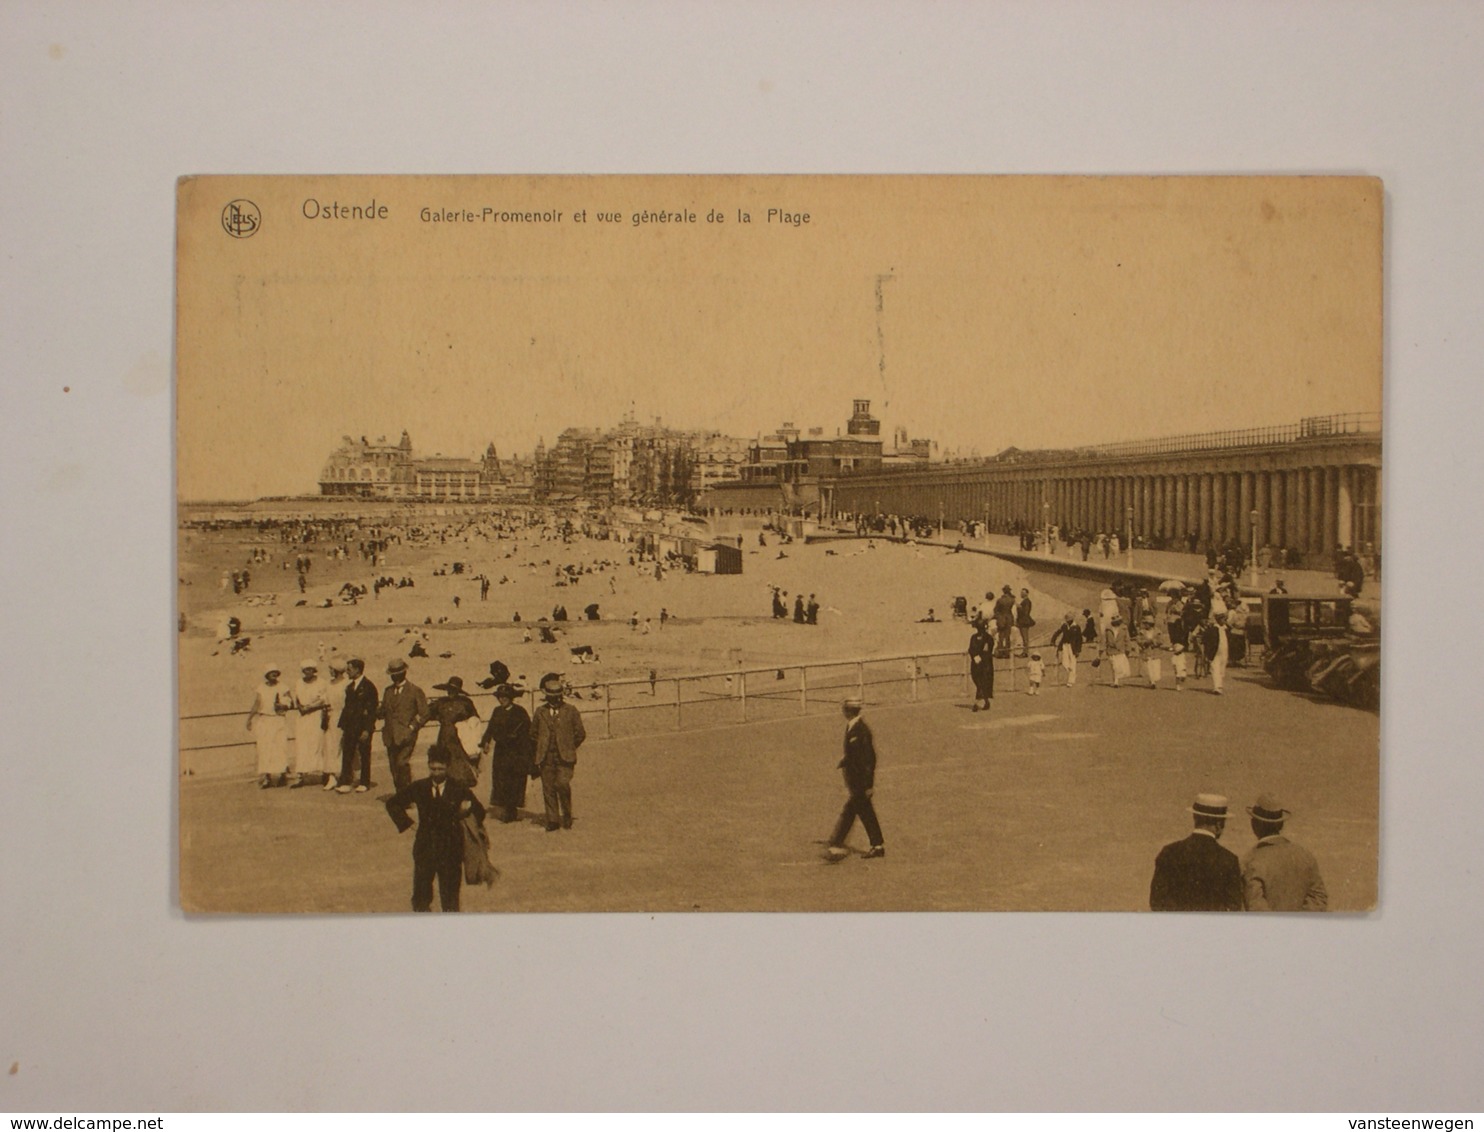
[273, 668]
[1268, 809]
[314, 664]
[397, 664]
[853, 702]
[1209, 806]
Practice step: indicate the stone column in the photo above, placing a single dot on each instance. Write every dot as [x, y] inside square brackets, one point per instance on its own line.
[1203, 516]
[1276, 510]
[1246, 484]
[1193, 490]
[1236, 519]
[1316, 513]
[1260, 497]
[1298, 516]
[1345, 509]
[1303, 511]
[1181, 510]
[1218, 508]
[1331, 530]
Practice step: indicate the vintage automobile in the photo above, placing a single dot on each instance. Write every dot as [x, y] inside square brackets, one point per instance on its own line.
[1328, 645]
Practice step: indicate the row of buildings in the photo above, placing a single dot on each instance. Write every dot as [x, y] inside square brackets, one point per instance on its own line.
[632, 463]
[1308, 487]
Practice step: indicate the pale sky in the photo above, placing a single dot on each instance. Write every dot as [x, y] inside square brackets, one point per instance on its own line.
[1038, 312]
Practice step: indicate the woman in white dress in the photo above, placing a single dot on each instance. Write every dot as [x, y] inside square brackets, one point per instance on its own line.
[309, 722]
[334, 705]
[268, 721]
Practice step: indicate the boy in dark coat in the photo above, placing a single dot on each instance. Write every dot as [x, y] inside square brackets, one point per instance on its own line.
[438, 848]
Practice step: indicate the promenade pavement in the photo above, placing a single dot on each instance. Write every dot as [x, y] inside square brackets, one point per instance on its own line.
[1056, 801]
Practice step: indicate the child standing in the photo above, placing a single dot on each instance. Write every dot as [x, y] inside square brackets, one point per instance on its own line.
[1153, 662]
[1177, 662]
[1036, 670]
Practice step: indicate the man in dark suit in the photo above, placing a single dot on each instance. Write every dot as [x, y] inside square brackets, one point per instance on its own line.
[404, 709]
[1067, 641]
[357, 721]
[556, 733]
[859, 766]
[1024, 622]
[438, 847]
[1197, 874]
[1004, 620]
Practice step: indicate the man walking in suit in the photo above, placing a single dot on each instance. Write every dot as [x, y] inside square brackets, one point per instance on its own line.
[1198, 875]
[557, 733]
[1067, 641]
[357, 721]
[404, 709]
[1278, 875]
[438, 847]
[859, 767]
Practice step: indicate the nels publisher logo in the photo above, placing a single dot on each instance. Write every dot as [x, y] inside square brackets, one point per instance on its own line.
[241, 219]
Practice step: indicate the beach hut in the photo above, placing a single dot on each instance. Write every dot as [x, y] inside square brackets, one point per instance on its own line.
[719, 558]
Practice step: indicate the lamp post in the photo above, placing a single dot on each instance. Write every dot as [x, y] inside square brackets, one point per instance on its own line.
[1253, 517]
[1128, 536]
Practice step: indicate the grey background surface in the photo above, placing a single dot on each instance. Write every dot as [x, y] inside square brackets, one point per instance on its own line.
[110, 999]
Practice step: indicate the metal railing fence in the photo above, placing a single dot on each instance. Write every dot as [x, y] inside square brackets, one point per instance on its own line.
[634, 707]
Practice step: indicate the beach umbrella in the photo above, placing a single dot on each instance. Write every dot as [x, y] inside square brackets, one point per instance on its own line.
[1171, 587]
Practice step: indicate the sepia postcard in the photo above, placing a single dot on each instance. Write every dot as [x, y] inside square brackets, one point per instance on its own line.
[778, 543]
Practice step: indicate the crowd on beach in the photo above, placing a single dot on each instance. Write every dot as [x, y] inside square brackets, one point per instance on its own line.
[315, 729]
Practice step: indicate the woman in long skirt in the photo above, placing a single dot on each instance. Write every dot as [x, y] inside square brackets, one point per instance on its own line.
[448, 711]
[268, 721]
[334, 705]
[981, 666]
[507, 739]
[309, 722]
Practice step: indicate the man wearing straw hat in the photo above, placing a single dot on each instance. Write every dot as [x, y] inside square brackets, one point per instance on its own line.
[859, 765]
[1197, 874]
[403, 710]
[1277, 875]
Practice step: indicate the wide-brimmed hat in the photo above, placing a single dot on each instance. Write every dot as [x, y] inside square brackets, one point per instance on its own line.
[1268, 809]
[274, 668]
[314, 664]
[396, 664]
[1209, 806]
[454, 684]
